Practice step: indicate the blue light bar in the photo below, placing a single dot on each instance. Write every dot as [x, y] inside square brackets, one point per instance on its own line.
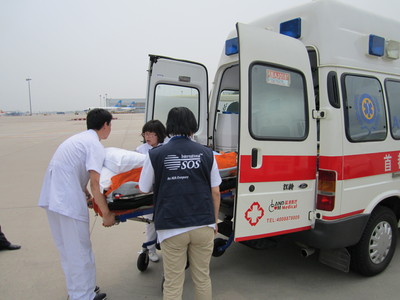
[376, 45]
[291, 28]
[232, 46]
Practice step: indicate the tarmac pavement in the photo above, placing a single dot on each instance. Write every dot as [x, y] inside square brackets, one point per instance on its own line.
[27, 144]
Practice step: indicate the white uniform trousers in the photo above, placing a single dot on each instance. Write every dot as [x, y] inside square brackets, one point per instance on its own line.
[72, 238]
[151, 233]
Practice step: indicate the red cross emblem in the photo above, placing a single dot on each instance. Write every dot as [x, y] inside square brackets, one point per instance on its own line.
[254, 214]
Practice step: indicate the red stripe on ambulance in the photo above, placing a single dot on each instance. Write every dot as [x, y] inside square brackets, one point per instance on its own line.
[278, 168]
[362, 165]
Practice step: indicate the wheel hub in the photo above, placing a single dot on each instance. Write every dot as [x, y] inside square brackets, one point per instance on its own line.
[380, 242]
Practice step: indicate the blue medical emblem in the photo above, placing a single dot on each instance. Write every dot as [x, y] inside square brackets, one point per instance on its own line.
[367, 110]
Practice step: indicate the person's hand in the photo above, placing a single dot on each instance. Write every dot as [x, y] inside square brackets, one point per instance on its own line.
[89, 200]
[109, 219]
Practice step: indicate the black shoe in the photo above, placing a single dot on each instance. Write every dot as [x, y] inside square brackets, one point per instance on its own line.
[101, 296]
[97, 289]
[11, 247]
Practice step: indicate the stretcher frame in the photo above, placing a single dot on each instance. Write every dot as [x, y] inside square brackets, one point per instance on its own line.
[135, 214]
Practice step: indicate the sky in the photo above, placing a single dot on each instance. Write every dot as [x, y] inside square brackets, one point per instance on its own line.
[78, 52]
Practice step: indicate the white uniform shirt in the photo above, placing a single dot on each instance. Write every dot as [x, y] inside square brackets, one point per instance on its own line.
[146, 182]
[144, 148]
[67, 175]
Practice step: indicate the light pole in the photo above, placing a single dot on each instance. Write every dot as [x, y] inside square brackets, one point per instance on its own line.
[30, 101]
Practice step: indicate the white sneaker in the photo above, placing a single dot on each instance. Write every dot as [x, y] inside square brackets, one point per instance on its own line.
[153, 256]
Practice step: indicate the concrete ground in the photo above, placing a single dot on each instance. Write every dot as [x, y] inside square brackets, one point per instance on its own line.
[34, 272]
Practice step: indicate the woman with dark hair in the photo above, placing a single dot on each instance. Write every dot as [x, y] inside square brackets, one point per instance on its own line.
[185, 180]
[153, 133]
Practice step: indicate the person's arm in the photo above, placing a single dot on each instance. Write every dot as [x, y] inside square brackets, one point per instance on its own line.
[89, 198]
[217, 201]
[100, 199]
[146, 179]
[215, 182]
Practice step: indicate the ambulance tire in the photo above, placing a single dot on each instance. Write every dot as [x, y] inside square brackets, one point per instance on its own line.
[376, 247]
[218, 242]
[143, 261]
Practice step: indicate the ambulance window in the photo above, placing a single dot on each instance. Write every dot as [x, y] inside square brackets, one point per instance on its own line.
[364, 109]
[229, 102]
[393, 96]
[169, 96]
[278, 104]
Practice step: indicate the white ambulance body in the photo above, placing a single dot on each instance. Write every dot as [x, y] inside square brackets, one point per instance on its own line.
[309, 98]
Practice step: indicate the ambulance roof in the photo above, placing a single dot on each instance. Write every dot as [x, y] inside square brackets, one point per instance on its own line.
[340, 33]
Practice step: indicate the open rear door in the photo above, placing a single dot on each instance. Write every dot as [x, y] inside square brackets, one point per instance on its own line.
[173, 83]
[278, 142]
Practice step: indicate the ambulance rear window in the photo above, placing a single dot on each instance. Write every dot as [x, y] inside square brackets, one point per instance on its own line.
[278, 104]
[168, 96]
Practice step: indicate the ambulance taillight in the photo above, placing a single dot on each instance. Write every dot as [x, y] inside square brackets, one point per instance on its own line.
[326, 190]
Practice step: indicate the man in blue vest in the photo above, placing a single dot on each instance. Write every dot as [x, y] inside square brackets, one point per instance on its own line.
[185, 180]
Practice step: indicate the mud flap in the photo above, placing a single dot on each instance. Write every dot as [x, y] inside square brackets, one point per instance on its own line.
[338, 259]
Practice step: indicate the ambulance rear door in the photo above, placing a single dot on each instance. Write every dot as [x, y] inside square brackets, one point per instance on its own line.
[278, 141]
[172, 83]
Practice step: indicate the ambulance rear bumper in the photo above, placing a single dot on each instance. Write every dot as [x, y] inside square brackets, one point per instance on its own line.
[334, 234]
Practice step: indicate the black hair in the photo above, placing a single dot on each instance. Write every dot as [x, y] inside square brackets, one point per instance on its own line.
[181, 121]
[96, 118]
[157, 127]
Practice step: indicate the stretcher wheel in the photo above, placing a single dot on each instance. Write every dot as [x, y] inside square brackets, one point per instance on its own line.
[218, 243]
[143, 261]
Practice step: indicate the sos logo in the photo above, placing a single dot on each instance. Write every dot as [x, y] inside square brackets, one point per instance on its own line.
[190, 164]
[185, 162]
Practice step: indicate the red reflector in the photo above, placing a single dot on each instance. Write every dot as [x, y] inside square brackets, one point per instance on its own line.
[326, 190]
[325, 202]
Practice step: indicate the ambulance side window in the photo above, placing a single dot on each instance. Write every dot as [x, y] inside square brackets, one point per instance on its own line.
[229, 102]
[364, 109]
[278, 104]
[168, 96]
[393, 97]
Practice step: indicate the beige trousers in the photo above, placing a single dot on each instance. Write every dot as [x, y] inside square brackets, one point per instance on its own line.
[197, 246]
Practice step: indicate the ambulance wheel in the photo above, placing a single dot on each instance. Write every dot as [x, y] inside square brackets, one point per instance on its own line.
[218, 242]
[376, 247]
[143, 261]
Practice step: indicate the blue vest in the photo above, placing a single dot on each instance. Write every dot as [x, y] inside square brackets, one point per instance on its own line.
[182, 188]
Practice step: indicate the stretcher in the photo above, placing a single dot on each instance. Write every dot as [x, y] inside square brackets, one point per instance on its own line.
[135, 207]
[130, 204]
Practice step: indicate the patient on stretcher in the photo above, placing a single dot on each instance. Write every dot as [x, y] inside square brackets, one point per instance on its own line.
[121, 171]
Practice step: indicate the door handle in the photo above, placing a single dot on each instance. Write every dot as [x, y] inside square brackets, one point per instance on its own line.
[254, 156]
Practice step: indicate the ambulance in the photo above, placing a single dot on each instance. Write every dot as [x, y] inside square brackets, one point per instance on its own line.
[309, 99]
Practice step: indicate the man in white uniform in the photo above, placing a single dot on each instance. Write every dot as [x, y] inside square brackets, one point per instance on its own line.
[64, 195]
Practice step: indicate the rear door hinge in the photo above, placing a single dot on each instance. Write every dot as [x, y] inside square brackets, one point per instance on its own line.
[318, 114]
